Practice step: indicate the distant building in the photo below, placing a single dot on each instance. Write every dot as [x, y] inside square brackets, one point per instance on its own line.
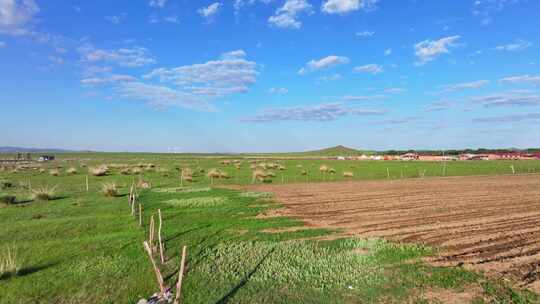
[44, 158]
[409, 156]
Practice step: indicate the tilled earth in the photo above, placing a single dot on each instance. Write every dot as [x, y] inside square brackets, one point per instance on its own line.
[486, 223]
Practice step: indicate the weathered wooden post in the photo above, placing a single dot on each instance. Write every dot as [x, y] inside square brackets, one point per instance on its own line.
[177, 299]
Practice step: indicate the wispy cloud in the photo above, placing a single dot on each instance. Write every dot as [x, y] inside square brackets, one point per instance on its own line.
[395, 90]
[161, 97]
[508, 99]
[399, 121]
[365, 34]
[319, 113]
[439, 106]
[116, 19]
[370, 68]
[508, 118]
[327, 78]
[525, 79]
[347, 6]
[486, 8]
[463, 86]
[108, 80]
[210, 11]
[287, 15]
[278, 91]
[125, 57]
[16, 17]
[323, 63]
[362, 98]
[387, 52]
[157, 3]
[518, 45]
[429, 50]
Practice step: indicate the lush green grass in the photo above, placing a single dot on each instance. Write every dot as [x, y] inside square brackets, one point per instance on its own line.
[83, 247]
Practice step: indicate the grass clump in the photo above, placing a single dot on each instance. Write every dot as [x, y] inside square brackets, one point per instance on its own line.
[71, 171]
[44, 193]
[198, 202]
[99, 171]
[109, 189]
[54, 172]
[9, 263]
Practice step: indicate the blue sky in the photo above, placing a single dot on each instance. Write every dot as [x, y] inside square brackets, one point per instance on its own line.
[269, 75]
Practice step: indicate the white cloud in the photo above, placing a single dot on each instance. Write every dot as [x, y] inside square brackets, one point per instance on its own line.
[210, 11]
[278, 91]
[320, 112]
[429, 50]
[465, 85]
[160, 96]
[370, 68]
[157, 3]
[395, 90]
[526, 79]
[126, 57]
[172, 19]
[365, 34]
[108, 80]
[346, 6]
[387, 52]
[231, 74]
[2, 44]
[323, 63]
[287, 15]
[439, 106]
[16, 16]
[361, 98]
[116, 19]
[518, 45]
[56, 59]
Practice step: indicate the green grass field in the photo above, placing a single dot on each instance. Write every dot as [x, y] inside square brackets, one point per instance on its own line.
[83, 247]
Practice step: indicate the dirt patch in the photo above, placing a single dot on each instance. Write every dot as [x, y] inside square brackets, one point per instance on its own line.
[449, 296]
[484, 223]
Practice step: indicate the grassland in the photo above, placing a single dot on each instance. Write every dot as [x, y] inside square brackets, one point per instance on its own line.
[83, 247]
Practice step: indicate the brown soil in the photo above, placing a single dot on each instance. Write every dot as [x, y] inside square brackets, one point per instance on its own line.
[485, 223]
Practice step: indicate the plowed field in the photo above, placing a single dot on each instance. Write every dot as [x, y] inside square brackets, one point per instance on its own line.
[486, 223]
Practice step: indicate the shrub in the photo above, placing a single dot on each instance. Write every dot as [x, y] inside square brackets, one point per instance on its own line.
[44, 193]
[109, 189]
[99, 171]
[71, 171]
[54, 172]
[7, 199]
[4, 184]
[9, 263]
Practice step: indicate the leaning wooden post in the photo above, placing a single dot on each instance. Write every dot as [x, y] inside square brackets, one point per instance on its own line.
[140, 215]
[87, 183]
[133, 200]
[513, 169]
[177, 299]
[156, 269]
[160, 243]
[152, 233]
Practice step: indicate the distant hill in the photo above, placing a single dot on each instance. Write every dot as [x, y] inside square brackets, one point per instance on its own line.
[31, 150]
[337, 151]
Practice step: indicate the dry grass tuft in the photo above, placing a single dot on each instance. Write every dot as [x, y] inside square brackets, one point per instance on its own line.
[44, 193]
[99, 171]
[71, 171]
[323, 168]
[54, 172]
[9, 263]
[213, 173]
[348, 174]
[187, 175]
[109, 189]
[143, 184]
[125, 171]
[136, 170]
